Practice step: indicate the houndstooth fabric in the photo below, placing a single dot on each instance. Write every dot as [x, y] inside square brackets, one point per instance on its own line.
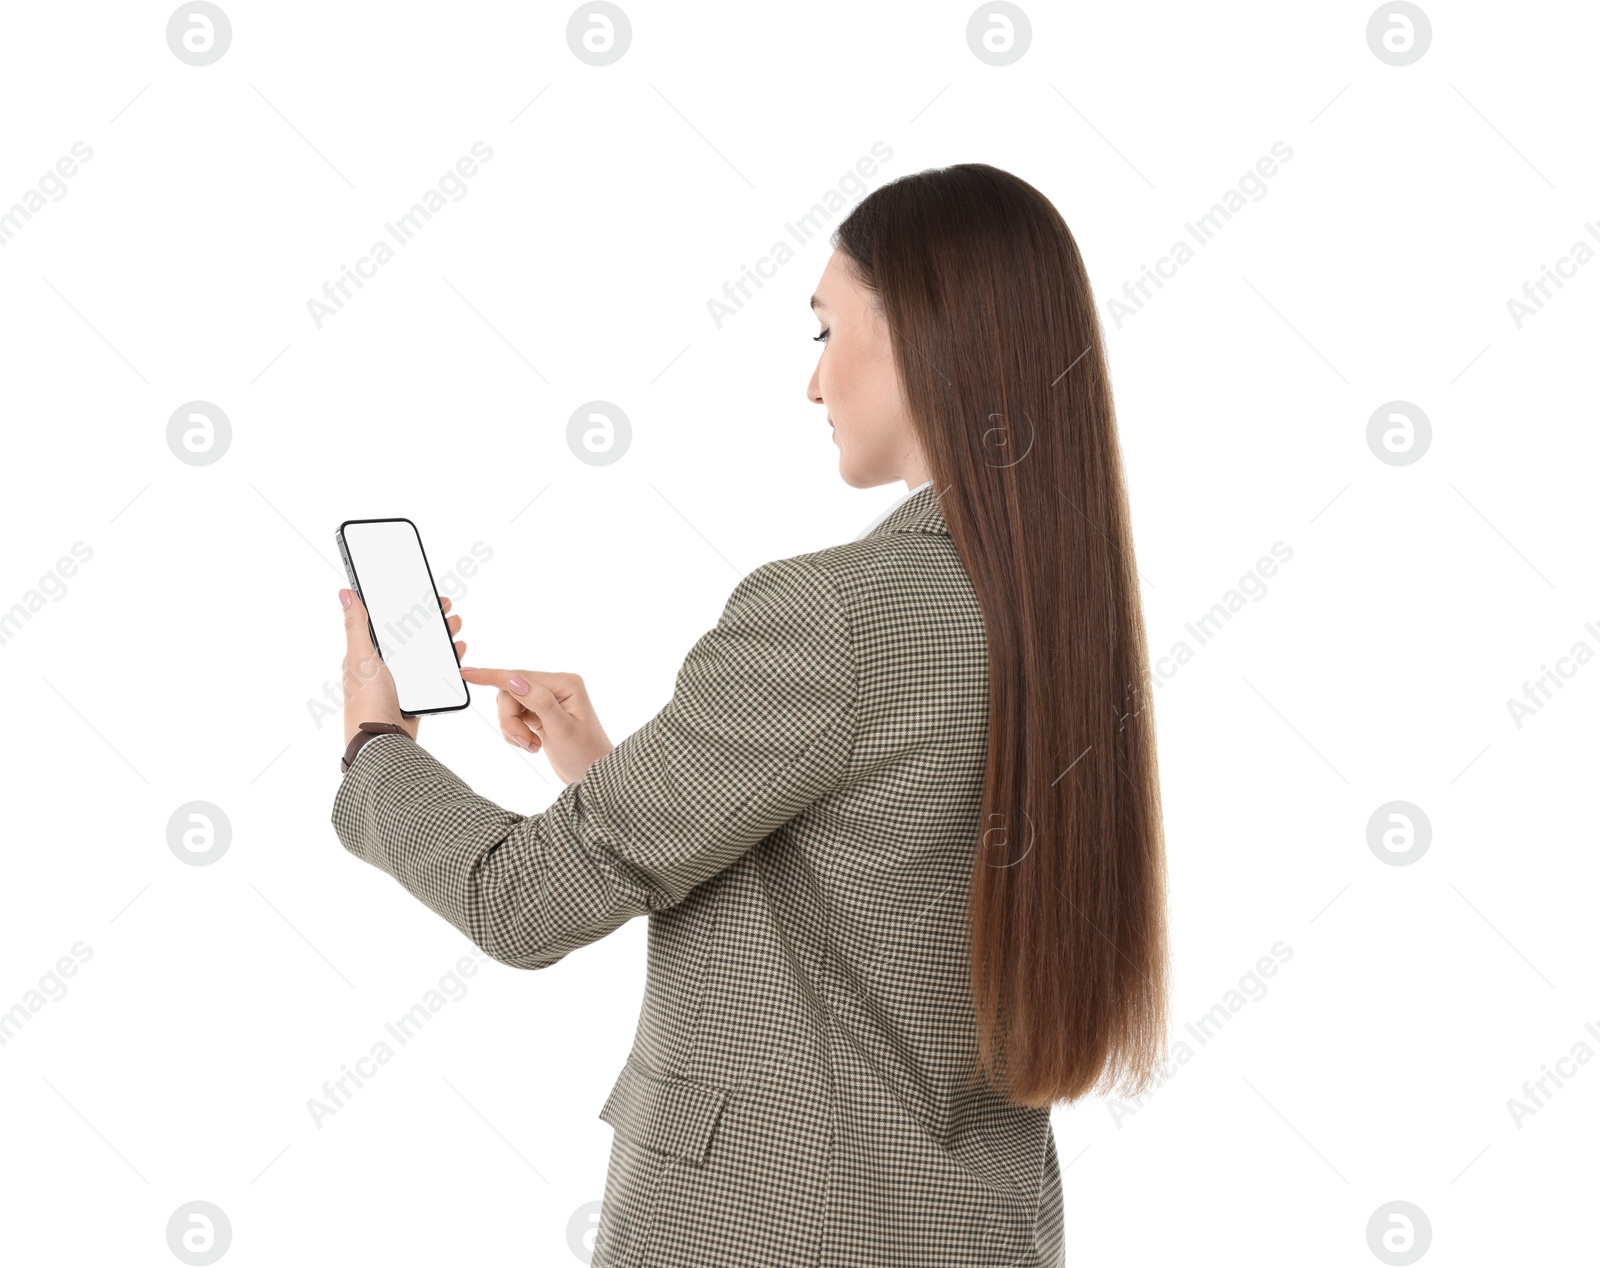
[798, 823]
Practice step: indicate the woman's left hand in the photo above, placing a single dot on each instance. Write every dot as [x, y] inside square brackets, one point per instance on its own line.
[369, 694]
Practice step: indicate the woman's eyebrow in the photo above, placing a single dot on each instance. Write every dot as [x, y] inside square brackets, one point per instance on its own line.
[817, 303]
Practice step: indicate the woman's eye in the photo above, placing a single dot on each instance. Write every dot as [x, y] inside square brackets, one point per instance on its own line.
[821, 338]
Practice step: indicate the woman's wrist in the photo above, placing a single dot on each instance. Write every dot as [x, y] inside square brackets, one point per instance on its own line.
[365, 734]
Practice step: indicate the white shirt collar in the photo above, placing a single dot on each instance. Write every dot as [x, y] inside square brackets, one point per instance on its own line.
[901, 502]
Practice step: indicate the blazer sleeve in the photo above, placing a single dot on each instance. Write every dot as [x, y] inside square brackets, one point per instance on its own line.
[760, 724]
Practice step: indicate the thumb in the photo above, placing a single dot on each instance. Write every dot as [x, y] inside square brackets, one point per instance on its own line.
[357, 637]
[553, 719]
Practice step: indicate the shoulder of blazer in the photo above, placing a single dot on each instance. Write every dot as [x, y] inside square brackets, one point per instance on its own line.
[919, 513]
[852, 571]
[855, 569]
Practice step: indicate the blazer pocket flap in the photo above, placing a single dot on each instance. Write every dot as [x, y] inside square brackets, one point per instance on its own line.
[670, 1115]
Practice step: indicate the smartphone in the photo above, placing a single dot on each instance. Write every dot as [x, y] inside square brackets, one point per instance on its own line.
[388, 568]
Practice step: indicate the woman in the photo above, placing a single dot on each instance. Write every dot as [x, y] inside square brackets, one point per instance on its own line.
[897, 831]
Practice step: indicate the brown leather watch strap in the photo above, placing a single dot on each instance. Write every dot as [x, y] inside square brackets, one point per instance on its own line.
[365, 732]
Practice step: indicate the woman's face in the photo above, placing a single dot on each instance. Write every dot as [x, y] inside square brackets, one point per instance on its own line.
[856, 380]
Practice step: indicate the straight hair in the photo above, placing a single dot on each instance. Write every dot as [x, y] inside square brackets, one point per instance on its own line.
[998, 347]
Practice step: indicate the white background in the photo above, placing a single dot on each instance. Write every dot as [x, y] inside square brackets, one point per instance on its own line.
[184, 660]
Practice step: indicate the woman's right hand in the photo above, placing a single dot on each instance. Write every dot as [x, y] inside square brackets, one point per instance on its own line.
[547, 711]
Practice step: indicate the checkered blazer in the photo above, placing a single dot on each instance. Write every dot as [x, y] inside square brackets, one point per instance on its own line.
[799, 824]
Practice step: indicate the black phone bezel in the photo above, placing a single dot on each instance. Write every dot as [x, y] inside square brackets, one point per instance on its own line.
[350, 571]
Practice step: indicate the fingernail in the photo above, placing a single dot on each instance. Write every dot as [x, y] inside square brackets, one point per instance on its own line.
[516, 684]
[344, 598]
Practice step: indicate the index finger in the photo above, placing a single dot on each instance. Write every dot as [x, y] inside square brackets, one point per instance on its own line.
[486, 677]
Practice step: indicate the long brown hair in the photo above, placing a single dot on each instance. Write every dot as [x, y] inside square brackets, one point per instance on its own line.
[998, 347]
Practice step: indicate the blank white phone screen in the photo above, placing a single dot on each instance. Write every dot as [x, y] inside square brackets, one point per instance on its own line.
[392, 576]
